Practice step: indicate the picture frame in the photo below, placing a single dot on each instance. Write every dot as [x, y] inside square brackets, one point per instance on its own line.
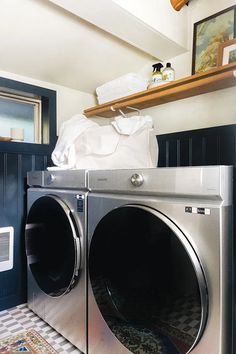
[227, 52]
[208, 34]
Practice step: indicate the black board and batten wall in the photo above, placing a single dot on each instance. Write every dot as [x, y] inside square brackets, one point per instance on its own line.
[209, 146]
[16, 159]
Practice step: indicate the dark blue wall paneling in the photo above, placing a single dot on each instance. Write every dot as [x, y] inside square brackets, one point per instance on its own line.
[15, 160]
[13, 169]
[209, 146]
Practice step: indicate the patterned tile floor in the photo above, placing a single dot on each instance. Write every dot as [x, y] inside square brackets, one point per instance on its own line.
[19, 318]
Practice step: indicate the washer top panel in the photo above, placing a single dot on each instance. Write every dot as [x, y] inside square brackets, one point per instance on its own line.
[206, 182]
[69, 179]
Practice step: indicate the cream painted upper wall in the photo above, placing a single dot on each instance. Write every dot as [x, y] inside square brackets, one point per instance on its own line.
[43, 41]
[197, 10]
[200, 9]
[160, 15]
[69, 101]
[208, 110]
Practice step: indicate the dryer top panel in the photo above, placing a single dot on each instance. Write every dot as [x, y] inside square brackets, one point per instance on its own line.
[71, 179]
[206, 182]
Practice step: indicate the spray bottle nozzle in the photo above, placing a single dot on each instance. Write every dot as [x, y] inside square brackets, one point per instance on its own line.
[157, 67]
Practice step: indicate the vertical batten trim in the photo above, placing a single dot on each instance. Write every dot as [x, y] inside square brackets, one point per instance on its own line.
[190, 151]
[218, 149]
[5, 170]
[33, 162]
[45, 161]
[167, 153]
[178, 144]
[19, 184]
[203, 150]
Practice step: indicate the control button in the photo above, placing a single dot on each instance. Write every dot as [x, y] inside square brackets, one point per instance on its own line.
[137, 180]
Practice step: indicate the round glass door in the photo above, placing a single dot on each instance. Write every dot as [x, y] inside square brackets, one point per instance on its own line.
[52, 246]
[147, 282]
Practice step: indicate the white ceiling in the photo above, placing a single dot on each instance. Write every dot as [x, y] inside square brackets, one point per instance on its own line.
[43, 41]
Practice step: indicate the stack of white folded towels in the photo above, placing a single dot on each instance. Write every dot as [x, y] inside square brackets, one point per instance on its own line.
[120, 87]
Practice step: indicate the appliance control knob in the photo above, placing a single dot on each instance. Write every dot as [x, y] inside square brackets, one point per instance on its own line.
[50, 179]
[137, 179]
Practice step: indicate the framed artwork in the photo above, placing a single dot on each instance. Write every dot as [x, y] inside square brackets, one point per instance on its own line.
[227, 52]
[208, 34]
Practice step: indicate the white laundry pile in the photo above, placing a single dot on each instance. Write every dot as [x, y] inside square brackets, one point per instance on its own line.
[64, 155]
[125, 143]
[129, 126]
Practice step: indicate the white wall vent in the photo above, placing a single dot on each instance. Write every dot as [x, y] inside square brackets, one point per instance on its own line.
[6, 248]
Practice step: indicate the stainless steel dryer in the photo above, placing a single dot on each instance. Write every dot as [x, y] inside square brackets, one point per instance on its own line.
[55, 246]
[160, 261]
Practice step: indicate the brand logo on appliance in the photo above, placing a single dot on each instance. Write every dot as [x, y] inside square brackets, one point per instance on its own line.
[197, 210]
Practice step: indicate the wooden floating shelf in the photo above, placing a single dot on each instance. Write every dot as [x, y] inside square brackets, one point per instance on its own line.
[209, 81]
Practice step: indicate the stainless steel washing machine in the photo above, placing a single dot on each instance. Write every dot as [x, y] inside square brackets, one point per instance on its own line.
[55, 246]
[160, 261]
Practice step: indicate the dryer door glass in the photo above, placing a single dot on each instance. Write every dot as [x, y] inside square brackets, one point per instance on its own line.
[52, 246]
[147, 281]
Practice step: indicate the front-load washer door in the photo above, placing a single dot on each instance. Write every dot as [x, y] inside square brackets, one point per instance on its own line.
[52, 246]
[147, 282]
